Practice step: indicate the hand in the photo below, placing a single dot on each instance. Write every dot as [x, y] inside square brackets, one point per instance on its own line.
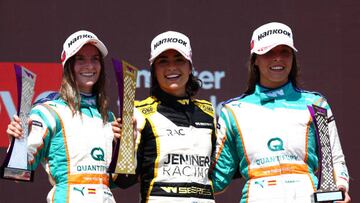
[347, 196]
[116, 128]
[15, 129]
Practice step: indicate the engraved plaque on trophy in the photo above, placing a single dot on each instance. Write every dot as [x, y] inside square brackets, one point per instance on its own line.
[123, 158]
[327, 189]
[15, 163]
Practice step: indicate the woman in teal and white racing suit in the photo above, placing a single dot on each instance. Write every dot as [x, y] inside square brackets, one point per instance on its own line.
[268, 133]
[71, 135]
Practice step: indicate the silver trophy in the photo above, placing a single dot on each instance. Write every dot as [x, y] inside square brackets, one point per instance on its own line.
[16, 162]
[327, 189]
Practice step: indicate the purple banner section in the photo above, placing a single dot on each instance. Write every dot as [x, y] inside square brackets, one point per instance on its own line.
[18, 71]
[120, 83]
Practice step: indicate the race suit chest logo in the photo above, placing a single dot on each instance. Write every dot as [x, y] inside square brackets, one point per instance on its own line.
[98, 155]
[186, 165]
[148, 110]
[275, 144]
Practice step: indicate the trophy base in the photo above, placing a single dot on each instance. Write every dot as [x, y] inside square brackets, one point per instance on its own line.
[329, 196]
[16, 174]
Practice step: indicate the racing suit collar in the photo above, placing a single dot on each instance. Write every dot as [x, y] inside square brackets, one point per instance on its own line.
[173, 100]
[87, 100]
[267, 94]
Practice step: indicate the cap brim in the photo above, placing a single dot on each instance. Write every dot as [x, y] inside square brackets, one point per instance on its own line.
[264, 50]
[151, 60]
[102, 48]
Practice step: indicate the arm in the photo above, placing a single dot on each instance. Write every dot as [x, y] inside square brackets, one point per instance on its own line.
[226, 159]
[340, 168]
[43, 125]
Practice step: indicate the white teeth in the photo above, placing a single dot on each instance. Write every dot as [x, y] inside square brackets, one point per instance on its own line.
[277, 68]
[171, 76]
[87, 74]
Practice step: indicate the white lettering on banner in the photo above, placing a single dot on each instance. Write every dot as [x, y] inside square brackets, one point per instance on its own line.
[9, 103]
[210, 80]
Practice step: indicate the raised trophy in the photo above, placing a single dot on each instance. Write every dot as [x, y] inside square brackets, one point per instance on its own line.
[15, 163]
[123, 158]
[327, 189]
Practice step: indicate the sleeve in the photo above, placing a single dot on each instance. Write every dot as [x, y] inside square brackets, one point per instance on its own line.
[42, 127]
[128, 180]
[226, 160]
[340, 168]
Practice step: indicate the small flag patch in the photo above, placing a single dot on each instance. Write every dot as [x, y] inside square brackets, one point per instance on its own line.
[91, 191]
[271, 182]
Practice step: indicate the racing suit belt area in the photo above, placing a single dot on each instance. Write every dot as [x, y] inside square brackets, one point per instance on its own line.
[174, 149]
[75, 150]
[270, 137]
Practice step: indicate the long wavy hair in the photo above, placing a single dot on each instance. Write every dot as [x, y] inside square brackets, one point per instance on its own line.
[254, 74]
[192, 86]
[70, 92]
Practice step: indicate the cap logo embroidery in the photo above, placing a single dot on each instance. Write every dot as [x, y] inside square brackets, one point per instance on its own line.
[274, 31]
[170, 40]
[79, 37]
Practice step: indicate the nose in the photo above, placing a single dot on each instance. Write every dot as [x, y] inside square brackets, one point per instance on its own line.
[277, 56]
[171, 66]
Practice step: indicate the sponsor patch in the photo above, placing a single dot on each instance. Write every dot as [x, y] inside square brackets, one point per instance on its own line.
[37, 123]
[91, 191]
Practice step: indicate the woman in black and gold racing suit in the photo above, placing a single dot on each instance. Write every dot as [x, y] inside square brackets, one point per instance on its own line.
[175, 132]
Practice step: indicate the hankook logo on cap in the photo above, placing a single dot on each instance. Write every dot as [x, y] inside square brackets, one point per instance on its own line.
[79, 37]
[273, 31]
[170, 40]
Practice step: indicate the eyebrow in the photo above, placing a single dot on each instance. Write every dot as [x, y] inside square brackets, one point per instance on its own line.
[164, 57]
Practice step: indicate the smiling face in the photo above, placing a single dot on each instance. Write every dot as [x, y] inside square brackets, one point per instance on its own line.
[172, 71]
[87, 67]
[275, 66]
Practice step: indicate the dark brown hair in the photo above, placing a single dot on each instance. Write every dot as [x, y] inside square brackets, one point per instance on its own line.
[70, 92]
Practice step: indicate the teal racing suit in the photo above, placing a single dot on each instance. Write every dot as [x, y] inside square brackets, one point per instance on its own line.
[269, 136]
[75, 150]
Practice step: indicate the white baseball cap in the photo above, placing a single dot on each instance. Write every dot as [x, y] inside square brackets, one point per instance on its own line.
[170, 40]
[269, 36]
[77, 40]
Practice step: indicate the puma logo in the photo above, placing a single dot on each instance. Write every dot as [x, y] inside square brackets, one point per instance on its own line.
[80, 190]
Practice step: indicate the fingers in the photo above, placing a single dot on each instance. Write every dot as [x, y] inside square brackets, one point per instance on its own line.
[14, 129]
[135, 128]
[116, 127]
[347, 198]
